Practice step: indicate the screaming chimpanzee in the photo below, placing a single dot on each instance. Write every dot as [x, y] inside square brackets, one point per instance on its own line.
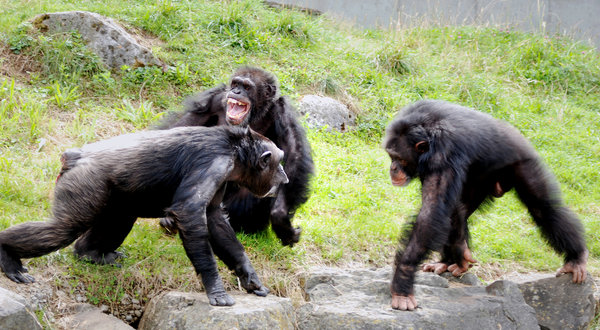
[464, 157]
[252, 99]
[105, 186]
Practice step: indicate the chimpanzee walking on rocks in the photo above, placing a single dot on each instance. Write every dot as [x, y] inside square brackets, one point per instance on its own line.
[464, 158]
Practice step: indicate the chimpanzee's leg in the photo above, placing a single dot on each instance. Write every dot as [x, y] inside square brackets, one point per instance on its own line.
[540, 193]
[77, 201]
[456, 256]
[100, 242]
[281, 220]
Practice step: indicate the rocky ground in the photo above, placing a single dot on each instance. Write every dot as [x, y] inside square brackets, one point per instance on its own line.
[334, 298]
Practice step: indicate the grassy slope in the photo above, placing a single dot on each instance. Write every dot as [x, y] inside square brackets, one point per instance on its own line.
[56, 95]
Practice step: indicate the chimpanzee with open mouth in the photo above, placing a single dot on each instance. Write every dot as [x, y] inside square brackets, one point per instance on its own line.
[252, 99]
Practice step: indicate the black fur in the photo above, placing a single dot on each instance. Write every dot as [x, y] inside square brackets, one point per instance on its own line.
[105, 186]
[464, 158]
[273, 116]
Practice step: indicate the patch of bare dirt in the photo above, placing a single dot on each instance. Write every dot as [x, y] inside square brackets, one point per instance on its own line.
[16, 65]
[143, 37]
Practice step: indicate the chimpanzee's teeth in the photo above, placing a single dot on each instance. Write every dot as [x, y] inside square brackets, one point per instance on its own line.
[236, 102]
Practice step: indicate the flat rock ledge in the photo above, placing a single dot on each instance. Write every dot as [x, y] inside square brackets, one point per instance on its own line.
[191, 311]
[351, 299]
[361, 300]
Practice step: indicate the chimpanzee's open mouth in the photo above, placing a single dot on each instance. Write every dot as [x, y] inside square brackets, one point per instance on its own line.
[404, 181]
[236, 111]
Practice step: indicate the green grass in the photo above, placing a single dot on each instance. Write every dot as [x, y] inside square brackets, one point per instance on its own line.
[55, 94]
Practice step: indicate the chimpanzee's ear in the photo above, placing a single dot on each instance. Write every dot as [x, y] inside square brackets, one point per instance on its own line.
[422, 147]
[269, 91]
[264, 159]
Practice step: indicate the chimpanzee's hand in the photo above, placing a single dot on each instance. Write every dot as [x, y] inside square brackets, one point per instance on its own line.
[249, 280]
[220, 298]
[287, 234]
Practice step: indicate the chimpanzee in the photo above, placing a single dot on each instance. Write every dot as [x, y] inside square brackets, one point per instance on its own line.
[464, 158]
[105, 186]
[252, 99]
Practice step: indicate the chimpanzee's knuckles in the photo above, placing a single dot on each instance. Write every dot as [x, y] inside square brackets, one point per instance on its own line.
[221, 299]
[262, 292]
[287, 234]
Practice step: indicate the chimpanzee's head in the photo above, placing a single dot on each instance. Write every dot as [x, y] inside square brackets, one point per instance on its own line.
[405, 142]
[251, 91]
[259, 167]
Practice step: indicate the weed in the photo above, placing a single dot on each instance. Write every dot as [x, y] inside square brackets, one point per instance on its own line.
[393, 57]
[21, 39]
[140, 116]
[22, 119]
[65, 95]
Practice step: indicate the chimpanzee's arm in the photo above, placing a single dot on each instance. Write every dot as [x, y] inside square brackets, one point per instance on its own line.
[204, 109]
[229, 249]
[291, 195]
[440, 192]
[190, 204]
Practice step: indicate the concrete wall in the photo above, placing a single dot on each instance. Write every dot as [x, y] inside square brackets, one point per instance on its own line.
[578, 18]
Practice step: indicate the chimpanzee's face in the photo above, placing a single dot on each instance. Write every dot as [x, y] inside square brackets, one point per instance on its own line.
[240, 97]
[264, 177]
[404, 153]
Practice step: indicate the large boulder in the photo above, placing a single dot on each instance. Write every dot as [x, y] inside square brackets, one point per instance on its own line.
[190, 311]
[561, 304]
[340, 299]
[104, 36]
[15, 312]
[88, 317]
[325, 112]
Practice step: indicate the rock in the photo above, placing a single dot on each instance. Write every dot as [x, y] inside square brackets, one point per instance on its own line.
[361, 300]
[561, 304]
[15, 313]
[178, 310]
[88, 317]
[104, 36]
[326, 112]
[466, 279]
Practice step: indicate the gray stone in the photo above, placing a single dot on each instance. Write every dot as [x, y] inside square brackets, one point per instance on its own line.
[178, 310]
[466, 278]
[361, 300]
[326, 112]
[561, 304]
[15, 313]
[88, 317]
[104, 36]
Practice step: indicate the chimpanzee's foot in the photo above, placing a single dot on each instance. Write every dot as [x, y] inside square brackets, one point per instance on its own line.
[435, 267]
[249, 280]
[13, 268]
[96, 257]
[404, 303]
[168, 225]
[457, 269]
[577, 267]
